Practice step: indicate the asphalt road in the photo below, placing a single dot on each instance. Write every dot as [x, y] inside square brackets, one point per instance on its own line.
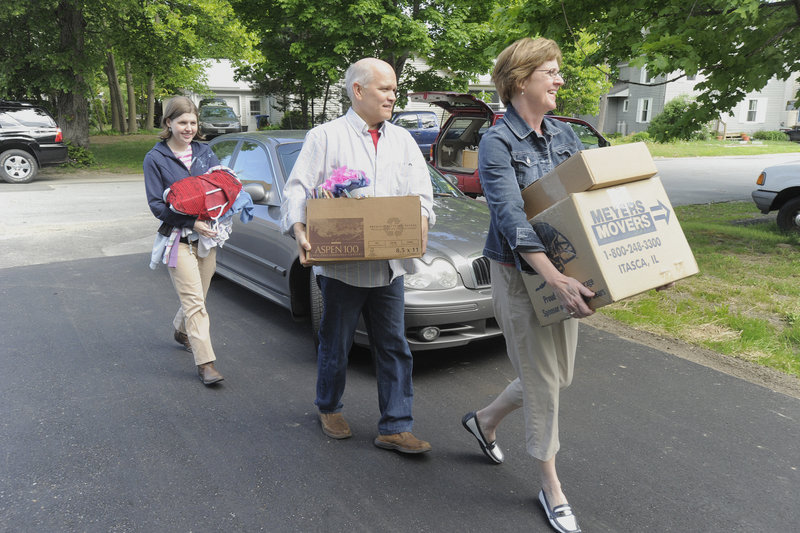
[107, 428]
[695, 180]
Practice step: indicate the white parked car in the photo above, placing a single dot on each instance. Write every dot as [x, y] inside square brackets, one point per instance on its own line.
[779, 190]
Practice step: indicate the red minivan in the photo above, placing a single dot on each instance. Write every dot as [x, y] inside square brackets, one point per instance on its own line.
[468, 121]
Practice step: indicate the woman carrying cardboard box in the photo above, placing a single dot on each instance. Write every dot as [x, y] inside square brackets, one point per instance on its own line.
[514, 153]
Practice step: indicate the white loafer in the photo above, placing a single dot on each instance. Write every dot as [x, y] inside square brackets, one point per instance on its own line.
[492, 451]
[561, 517]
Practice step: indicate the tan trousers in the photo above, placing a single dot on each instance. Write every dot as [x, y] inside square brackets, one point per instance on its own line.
[543, 356]
[191, 279]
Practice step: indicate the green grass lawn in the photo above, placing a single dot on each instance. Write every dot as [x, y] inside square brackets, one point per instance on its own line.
[745, 302]
[121, 153]
[124, 153]
[718, 148]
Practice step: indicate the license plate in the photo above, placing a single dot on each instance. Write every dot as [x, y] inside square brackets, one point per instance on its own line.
[220, 131]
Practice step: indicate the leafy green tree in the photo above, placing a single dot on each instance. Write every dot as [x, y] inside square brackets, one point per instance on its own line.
[585, 83]
[738, 45]
[307, 44]
[52, 50]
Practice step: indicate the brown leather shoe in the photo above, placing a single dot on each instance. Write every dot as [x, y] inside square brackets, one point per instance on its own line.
[183, 338]
[209, 374]
[335, 426]
[402, 442]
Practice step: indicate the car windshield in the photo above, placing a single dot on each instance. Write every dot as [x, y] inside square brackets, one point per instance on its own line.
[215, 113]
[441, 186]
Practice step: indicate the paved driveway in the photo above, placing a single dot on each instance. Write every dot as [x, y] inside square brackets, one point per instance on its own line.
[105, 426]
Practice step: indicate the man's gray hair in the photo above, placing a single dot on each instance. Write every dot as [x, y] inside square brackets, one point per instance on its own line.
[359, 72]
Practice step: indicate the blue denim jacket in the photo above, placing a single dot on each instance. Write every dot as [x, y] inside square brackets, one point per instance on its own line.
[511, 157]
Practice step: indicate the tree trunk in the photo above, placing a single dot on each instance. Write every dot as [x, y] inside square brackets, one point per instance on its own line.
[398, 63]
[325, 100]
[72, 109]
[304, 109]
[115, 95]
[133, 127]
[601, 117]
[151, 102]
[112, 105]
[99, 114]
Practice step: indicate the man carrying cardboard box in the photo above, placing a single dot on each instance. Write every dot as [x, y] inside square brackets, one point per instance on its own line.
[363, 140]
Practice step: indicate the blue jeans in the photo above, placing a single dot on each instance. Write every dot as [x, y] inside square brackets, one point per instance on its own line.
[383, 309]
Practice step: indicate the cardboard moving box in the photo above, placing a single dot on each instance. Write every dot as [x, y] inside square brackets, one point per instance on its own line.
[618, 241]
[348, 229]
[588, 170]
[469, 158]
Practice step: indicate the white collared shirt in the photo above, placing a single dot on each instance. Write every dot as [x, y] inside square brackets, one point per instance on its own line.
[396, 168]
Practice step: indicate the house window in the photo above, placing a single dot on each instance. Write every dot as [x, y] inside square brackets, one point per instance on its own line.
[625, 106]
[646, 77]
[644, 109]
[255, 107]
[752, 110]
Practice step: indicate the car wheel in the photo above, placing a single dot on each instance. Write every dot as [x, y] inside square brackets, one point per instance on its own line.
[789, 216]
[315, 305]
[17, 166]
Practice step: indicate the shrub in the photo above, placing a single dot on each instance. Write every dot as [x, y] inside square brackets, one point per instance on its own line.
[639, 136]
[293, 120]
[675, 122]
[764, 135]
[79, 157]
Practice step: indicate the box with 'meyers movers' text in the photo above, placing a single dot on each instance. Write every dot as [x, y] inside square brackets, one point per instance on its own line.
[588, 170]
[618, 241]
[349, 229]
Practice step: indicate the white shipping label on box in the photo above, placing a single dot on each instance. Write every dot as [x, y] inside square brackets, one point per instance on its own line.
[618, 241]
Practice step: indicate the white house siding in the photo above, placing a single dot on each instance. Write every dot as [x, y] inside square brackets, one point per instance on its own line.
[238, 95]
[765, 109]
[441, 114]
[769, 110]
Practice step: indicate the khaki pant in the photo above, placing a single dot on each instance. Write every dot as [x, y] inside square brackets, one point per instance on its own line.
[543, 356]
[191, 279]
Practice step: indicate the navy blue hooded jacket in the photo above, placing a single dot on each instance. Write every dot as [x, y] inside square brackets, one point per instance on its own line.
[162, 169]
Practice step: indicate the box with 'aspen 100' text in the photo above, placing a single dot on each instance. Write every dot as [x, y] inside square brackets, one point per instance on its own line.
[350, 229]
[618, 241]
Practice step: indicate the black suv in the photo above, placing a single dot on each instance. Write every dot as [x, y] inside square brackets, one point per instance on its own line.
[29, 139]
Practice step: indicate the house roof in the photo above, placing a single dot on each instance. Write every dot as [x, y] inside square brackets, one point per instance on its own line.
[624, 93]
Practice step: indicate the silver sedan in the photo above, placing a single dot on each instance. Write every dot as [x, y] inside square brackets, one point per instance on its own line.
[448, 302]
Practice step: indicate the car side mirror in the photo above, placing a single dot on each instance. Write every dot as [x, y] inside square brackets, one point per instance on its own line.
[256, 191]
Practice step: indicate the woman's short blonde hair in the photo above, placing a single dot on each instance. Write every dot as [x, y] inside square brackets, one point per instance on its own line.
[175, 107]
[519, 60]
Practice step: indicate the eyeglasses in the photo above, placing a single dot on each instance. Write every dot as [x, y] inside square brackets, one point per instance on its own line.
[553, 73]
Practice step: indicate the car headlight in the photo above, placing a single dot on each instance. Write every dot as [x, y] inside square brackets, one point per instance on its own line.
[440, 274]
